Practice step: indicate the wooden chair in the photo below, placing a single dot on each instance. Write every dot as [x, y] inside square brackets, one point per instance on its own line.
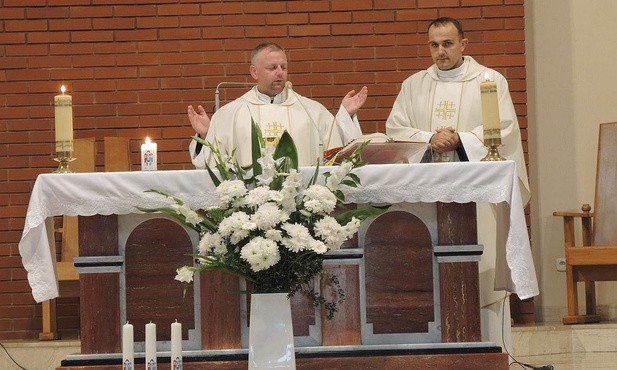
[68, 279]
[596, 259]
[117, 158]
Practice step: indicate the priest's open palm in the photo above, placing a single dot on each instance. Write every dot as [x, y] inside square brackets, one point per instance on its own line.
[199, 120]
[352, 102]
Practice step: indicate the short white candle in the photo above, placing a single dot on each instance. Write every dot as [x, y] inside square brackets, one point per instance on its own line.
[490, 109]
[148, 155]
[128, 354]
[176, 346]
[150, 346]
[63, 120]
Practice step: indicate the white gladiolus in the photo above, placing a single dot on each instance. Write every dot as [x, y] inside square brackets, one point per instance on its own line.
[184, 275]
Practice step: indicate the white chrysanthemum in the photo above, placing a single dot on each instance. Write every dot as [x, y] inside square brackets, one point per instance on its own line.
[212, 243]
[191, 216]
[260, 253]
[318, 247]
[230, 190]
[234, 223]
[319, 199]
[298, 237]
[274, 234]
[184, 275]
[337, 175]
[258, 196]
[268, 215]
[331, 232]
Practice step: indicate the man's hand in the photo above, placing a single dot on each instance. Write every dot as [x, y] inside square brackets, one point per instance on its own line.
[199, 120]
[445, 140]
[352, 102]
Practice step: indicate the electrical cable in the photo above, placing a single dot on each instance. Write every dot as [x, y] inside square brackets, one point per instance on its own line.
[11, 357]
[503, 342]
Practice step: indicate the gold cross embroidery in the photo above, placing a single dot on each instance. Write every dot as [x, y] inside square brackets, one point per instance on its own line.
[272, 133]
[445, 110]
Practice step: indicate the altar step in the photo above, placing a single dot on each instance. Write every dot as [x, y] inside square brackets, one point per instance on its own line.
[573, 347]
[434, 356]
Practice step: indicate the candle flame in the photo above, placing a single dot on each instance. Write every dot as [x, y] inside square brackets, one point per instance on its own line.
[487, 77]
[63, 89]
[147, 140]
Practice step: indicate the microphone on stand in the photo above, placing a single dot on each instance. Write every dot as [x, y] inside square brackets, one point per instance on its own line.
[217, 100]
[289, 86]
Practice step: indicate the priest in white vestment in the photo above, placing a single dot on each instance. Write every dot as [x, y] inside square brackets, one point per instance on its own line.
[275, 107]
[442, 106]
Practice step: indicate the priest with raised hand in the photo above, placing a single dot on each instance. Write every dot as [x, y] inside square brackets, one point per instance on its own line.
[275, 107]
[442, 106]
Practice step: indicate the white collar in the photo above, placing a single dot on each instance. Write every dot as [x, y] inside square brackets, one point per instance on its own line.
[453, 74]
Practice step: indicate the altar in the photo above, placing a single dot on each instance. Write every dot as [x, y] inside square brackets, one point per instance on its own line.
[107, 200]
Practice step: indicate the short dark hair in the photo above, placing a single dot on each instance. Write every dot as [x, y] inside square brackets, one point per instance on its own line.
[263, 46]
[442, 21]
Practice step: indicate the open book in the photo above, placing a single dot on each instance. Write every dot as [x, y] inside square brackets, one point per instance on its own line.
[384, 149]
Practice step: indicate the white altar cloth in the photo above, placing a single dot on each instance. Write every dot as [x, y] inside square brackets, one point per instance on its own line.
[106, 193]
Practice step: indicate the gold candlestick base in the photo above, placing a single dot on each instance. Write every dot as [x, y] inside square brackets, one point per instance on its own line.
[493, 154]
[64, 155]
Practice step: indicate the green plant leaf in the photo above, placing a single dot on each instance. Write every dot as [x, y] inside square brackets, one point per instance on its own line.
[287, 149]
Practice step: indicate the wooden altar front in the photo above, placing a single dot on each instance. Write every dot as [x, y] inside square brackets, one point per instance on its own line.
[396, 280]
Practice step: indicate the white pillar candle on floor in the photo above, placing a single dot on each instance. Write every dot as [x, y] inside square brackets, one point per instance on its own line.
[128, 354]
[176, 346]
[148, 155]
[150, 346]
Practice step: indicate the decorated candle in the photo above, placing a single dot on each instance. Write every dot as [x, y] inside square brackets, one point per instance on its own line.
[64, 120]
[148, 156]
[490, 109]
[150, 346]
[128, 354]
[176, 346]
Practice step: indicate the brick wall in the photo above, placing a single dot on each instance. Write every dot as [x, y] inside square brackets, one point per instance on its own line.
[132, 67]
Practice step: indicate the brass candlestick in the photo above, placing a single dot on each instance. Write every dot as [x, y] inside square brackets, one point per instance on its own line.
[64, 155]
[492, 140]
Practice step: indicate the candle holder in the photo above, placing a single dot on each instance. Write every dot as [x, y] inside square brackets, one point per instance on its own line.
[64, 155]
[492, 143]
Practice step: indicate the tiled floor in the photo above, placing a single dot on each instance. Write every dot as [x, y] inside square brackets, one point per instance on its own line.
[566, 347]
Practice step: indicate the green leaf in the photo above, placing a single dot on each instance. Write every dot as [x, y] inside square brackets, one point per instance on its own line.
[287, 149]
[256, 144]
[360, 213]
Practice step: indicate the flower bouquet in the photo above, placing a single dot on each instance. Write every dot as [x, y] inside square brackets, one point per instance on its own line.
[269, 228]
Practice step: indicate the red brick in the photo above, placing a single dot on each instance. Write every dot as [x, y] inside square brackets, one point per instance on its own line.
[47, 12]
[113, 24]
[91, 11]
[184, 9]
[47, 37]
[338, 5]
[25, 25]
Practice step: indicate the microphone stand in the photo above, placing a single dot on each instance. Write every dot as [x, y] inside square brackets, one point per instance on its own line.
[217, 100]
[288, 85]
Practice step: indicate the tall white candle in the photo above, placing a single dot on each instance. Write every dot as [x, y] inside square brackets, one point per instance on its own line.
[148, 155]
[490, 109]
[64, 120]
[128, 354]
[176, 346]
[150, 346]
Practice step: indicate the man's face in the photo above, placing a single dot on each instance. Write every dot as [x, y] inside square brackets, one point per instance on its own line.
[446, 46]
[270, 71]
